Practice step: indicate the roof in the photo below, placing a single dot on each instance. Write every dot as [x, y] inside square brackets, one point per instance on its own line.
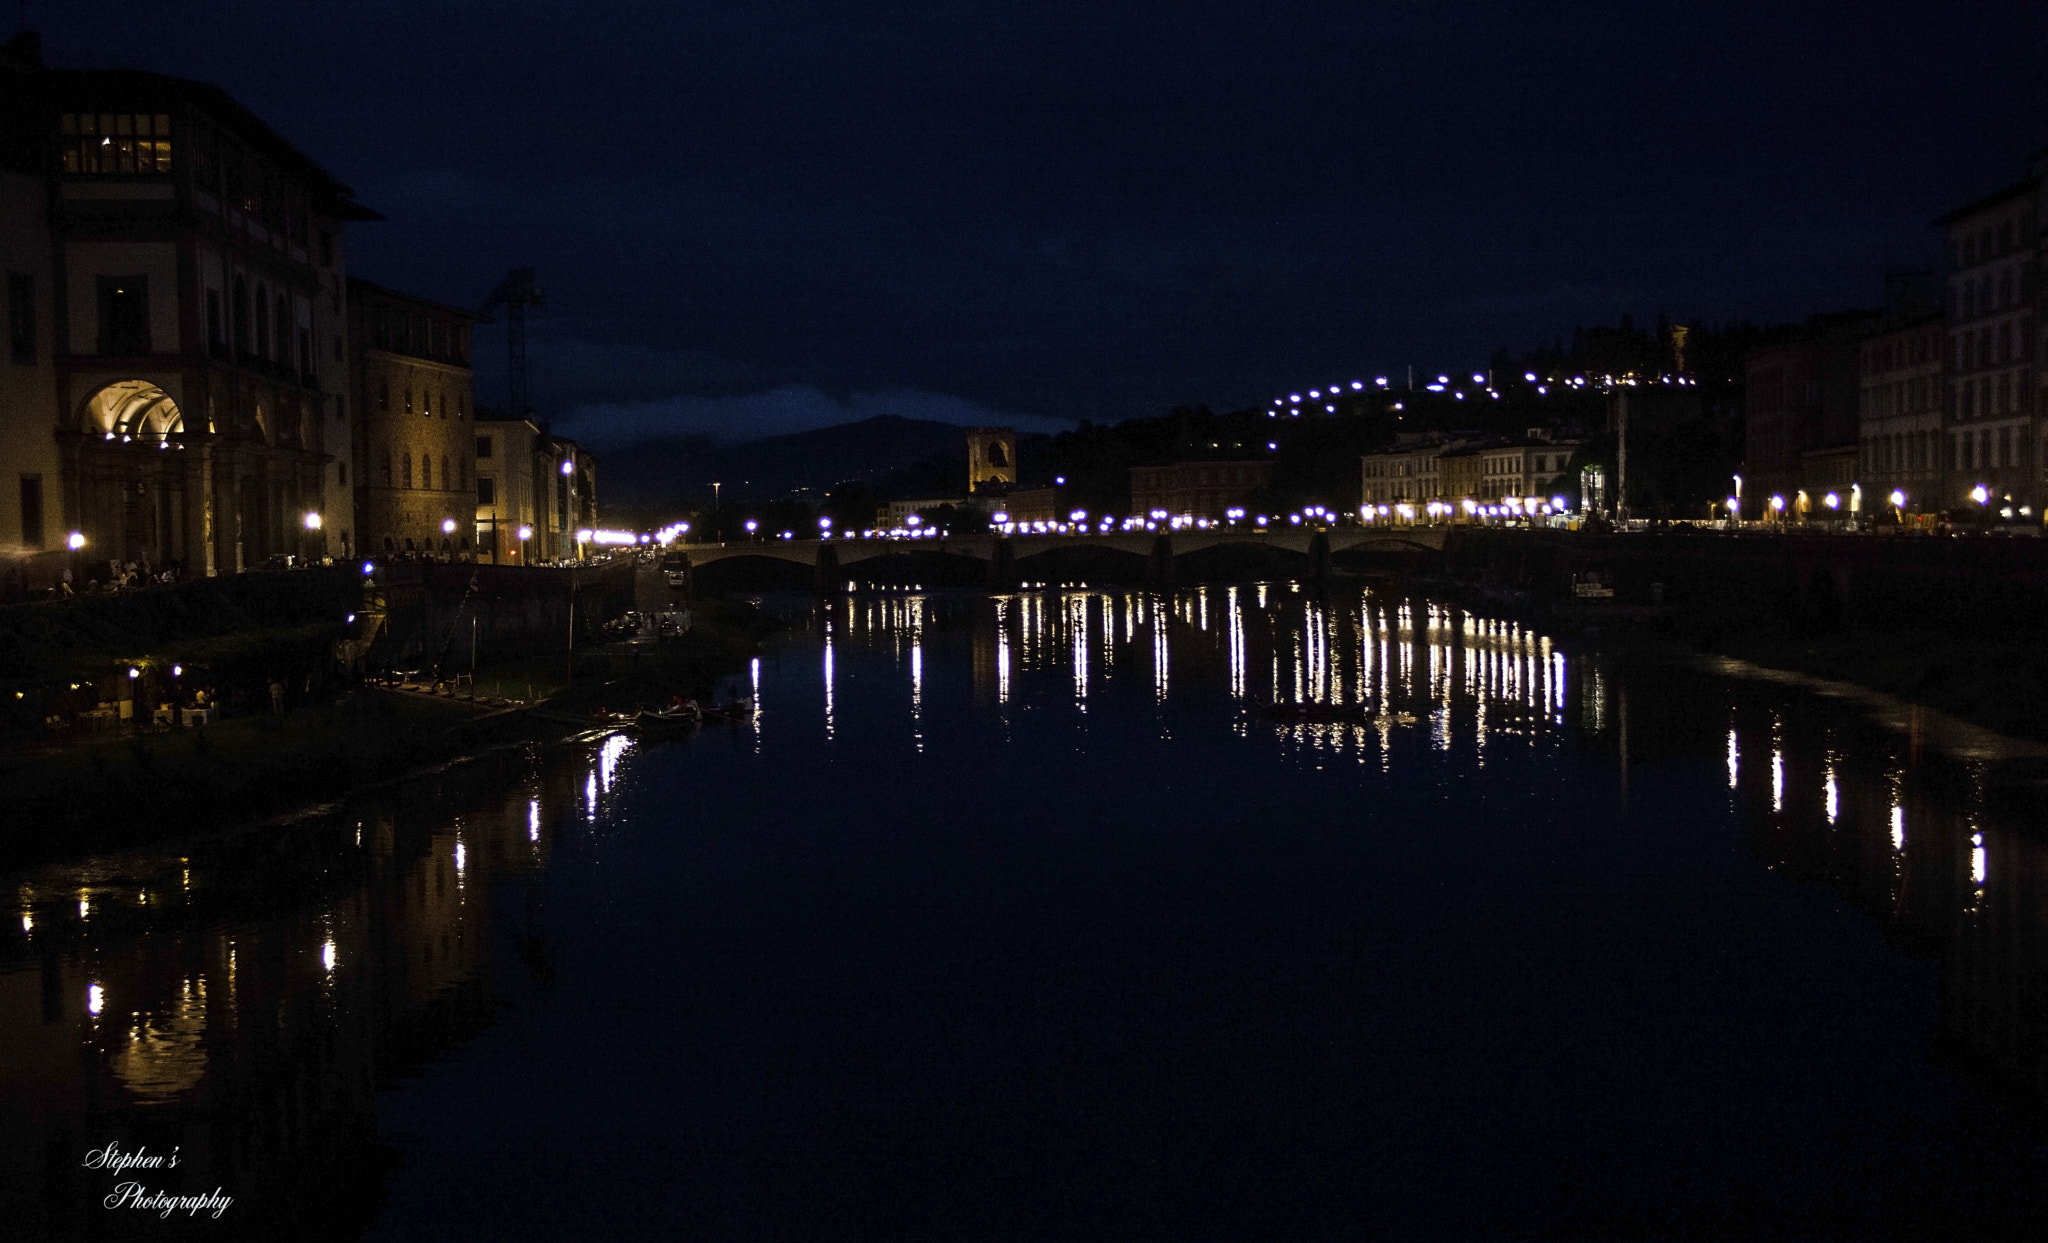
[358, 284]
[2018, 189]
[334, 197]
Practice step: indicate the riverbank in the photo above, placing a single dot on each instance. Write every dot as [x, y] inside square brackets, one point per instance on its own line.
[131, 789]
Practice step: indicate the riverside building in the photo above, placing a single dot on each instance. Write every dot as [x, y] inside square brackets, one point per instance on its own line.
[174, 389]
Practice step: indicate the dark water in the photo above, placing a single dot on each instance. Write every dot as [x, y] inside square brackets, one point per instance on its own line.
[1018, 919]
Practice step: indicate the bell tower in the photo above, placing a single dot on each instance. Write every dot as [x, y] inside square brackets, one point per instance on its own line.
[991, 458]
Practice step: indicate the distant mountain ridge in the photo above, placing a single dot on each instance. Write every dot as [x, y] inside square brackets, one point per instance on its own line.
[681, 469]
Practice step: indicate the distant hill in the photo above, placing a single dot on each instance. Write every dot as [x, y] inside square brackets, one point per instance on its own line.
[680, 470]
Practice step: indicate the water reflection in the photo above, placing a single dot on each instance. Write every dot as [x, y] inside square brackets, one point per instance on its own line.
[1829, 802]
[243, 1003]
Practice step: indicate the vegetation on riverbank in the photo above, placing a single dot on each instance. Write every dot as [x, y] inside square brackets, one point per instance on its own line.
[129, 788]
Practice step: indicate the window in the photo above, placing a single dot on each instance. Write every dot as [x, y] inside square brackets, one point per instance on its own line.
[483, 448]
[461, 474]
[283, 336]
[486, 490]
[407, 459]
[117, 142]
[426, 471]
[447, 480]
[383, 396]
[216, 339]
[262, 321]
[241, 315]
[21, 320]
[124, 314]
[32, 511]
[341, 474]
[427, 403]
[326, 249]
[408, 400]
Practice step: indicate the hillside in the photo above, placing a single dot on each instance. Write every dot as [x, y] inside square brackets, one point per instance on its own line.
[680, 470]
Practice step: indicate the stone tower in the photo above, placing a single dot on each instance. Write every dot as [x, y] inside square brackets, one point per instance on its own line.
[991, 457]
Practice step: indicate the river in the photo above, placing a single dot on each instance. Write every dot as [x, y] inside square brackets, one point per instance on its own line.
[1019, 917]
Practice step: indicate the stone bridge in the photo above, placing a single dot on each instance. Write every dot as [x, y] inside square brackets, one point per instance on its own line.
[1002, 554]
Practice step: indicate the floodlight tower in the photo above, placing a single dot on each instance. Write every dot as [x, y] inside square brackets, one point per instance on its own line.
[515, 293]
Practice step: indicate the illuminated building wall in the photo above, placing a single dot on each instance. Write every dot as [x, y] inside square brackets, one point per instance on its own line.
[416, 447]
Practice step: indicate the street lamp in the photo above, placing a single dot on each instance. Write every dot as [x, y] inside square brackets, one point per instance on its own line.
[312, 521]
[1980, 494]
[75, 541]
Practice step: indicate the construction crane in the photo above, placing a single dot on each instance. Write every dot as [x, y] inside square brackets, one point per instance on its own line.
[515, 293]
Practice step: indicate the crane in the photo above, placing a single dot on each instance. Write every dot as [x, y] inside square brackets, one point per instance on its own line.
[515, 293]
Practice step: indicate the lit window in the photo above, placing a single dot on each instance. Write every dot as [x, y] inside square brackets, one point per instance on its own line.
[115, 142]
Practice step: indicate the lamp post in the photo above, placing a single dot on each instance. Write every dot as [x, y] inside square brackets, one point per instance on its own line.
[525, 534]
[74, 542]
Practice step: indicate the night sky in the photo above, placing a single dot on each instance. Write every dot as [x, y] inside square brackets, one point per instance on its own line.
[750, 219]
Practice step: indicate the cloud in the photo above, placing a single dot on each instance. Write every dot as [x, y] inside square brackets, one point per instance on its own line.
[790, 408]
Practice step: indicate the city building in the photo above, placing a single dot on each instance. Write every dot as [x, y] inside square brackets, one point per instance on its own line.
[1461, 473]
[1040, 504]
[1406, 473]
[1524, 468]
[1899, 412]
[573, 507]
[897, 513]
[515, 473]
[415, 440]
[175, 387]
[1992, 248]
[1800, 413]
[1197, 489]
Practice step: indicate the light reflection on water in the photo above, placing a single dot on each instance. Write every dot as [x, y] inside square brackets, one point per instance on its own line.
[245, 1002]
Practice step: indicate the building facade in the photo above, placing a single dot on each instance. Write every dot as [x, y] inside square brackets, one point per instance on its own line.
[415, 445]
[1899, 414]
[1993, 248]
[1197, 489]
[514, 482]
[1801, 411]
[175, 387]
[1407, 473]
[1523, 469]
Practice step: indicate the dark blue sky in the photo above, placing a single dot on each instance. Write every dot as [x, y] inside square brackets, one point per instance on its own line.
[751, 218]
